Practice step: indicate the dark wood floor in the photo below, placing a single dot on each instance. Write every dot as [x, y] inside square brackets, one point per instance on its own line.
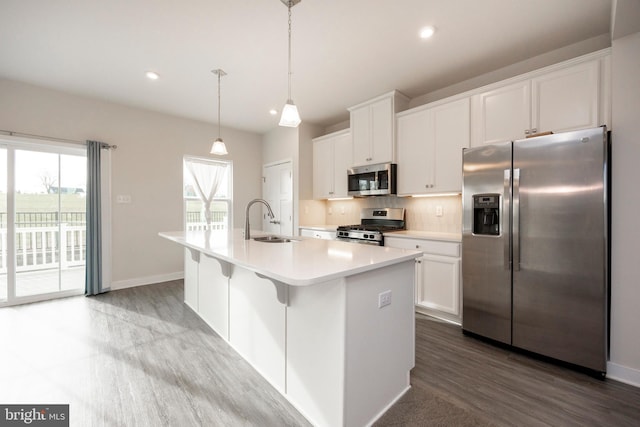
[461, 380]
[140, 357]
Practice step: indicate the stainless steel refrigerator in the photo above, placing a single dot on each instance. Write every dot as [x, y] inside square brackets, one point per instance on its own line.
[535, 250]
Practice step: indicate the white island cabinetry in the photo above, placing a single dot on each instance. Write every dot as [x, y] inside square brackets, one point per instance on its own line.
[307, 315]
[438, 290]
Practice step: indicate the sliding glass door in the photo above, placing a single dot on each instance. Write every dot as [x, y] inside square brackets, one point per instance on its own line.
[3, 225]
[43, 221]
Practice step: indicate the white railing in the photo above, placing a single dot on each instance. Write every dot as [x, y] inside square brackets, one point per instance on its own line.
[39, 248]
[192, 226]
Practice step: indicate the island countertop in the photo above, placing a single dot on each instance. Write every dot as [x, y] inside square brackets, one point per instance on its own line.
[300, 262]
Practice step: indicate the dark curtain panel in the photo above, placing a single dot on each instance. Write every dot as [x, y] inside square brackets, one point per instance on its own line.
[93, 276]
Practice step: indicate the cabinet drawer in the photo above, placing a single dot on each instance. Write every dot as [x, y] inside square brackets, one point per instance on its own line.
[434, 247]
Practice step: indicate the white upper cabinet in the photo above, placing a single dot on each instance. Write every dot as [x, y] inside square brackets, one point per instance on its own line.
[430, 143]
[566, 99]
[331, 159]
[373, 128]
[572, 95]
[503, 114]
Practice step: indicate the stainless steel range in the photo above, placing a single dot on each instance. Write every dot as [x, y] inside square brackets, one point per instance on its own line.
[373, 223]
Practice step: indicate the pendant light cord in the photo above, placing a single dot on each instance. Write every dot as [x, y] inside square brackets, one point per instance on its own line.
[289, 97]
[219, 72]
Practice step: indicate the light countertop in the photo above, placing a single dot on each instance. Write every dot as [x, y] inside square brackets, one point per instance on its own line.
[407, 234]
[320, 227]
[427, 235]
[301, 262]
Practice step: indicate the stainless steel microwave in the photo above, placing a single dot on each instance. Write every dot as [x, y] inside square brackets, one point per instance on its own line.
[372, 180]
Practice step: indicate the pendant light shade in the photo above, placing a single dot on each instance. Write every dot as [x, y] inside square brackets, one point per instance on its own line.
[218, 148]
[290, 116]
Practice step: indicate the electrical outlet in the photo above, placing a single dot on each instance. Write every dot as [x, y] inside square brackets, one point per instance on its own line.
[384, 298]
[438, 210]
[123, 199]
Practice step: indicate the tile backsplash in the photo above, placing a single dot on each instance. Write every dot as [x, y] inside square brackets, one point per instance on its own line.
[421, 212]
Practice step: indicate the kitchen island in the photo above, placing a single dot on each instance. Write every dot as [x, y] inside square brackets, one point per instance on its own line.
[329, 324]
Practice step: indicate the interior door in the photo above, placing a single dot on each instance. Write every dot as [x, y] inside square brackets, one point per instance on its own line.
[559, 247]
[277, 190]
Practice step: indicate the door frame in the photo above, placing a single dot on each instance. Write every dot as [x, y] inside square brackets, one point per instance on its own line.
[11, 144]
[273, 164]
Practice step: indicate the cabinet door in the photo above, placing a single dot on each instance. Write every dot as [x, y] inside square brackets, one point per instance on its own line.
[191, 260]
[361, 135]
[213, 295]
[382, 118]
[450, 135]
[416, 152]
[306, 232]
[342, 160]
[566, 99]
[439, 284]
[323, 169]
[502, 114]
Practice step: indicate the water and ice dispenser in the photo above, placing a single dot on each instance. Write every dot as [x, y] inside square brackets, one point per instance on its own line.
[486, 214]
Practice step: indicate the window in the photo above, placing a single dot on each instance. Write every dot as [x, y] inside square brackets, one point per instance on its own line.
[207, 194]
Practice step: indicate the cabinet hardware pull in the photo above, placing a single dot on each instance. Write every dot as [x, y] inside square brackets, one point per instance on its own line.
[526, 131]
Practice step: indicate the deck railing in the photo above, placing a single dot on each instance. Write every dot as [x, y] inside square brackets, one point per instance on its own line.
[41, 245]
[39, 248]
[203, 226]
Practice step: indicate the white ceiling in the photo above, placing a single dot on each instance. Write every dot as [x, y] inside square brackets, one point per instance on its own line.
[344, 51]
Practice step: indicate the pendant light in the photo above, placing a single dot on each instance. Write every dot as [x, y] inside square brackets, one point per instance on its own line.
[218, 147]
[290, 116]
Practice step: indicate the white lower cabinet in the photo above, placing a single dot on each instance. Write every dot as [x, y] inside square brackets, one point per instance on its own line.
[318, 234]
[438, 291]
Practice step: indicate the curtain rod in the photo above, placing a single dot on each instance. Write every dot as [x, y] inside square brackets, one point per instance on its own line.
[73, 141]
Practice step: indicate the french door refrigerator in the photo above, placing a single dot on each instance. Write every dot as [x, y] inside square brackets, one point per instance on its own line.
[535, 250]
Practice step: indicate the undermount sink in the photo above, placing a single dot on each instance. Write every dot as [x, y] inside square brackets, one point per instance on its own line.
[272, 239]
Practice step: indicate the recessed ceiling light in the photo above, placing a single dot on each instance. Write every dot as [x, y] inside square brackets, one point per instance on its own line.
[273, 112]
[427, 32]
[152, 75]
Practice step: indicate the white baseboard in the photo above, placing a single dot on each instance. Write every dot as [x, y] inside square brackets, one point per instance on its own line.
[140, 281]
[623, 374]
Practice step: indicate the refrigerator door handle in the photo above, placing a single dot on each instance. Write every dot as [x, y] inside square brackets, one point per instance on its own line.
[516, 220]
[506, 203]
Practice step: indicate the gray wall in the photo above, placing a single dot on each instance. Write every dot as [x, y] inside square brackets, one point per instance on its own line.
[147, 166]
[625, 289]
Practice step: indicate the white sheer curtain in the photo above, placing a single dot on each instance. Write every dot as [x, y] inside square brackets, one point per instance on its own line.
[207, 179]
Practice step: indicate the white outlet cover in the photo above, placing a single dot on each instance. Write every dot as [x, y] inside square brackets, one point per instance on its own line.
[384, 298]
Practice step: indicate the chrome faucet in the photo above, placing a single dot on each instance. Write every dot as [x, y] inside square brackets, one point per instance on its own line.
[247, 235]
